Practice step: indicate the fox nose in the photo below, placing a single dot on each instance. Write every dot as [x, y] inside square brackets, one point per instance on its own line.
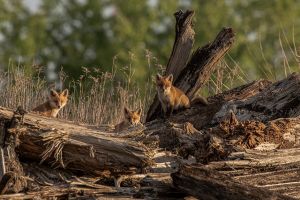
[58, 106]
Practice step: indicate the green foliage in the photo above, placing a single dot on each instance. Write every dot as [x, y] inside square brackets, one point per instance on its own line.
[138, 35]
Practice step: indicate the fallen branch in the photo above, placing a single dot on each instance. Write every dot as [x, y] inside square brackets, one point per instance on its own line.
[77, 148]
[207, 184]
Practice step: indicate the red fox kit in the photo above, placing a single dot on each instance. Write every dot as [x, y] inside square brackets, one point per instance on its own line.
[55, 102]
[130, 118]
[170, 97]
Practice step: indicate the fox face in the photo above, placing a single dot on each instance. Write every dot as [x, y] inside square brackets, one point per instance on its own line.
[164, 84]
[133, 117]
[58, 100]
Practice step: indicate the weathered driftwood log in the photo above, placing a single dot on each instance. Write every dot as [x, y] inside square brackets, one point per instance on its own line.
[199, 68]
[182, 47]
[209, 184]
[276, 170]
[75, 147]
[281, 99]
[201, 116]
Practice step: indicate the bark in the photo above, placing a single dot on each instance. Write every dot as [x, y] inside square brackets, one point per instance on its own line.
[276, 170]
[74, 147]
[182, 47]
[208, 184]
[203, 62]
[281, 99]
[184, 40]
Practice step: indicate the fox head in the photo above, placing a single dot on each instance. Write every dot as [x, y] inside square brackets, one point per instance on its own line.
[133, 117]
[164, 83]
[58, 100]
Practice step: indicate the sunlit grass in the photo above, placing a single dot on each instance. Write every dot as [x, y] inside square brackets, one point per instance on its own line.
[97, 97]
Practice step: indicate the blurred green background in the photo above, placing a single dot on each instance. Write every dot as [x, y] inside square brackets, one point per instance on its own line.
[139, 34]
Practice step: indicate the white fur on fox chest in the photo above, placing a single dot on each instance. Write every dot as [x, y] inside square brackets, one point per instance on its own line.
[54, 112]
[164, 99]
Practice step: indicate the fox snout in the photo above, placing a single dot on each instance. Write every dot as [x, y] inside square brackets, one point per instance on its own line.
[164, 84]
[134, 122]
[166, 90]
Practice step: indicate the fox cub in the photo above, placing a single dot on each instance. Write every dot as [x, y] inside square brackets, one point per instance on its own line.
[55, 102]
[170, 97]
[130, 118]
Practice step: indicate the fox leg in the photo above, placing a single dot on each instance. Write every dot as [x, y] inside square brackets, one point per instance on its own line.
[171, 110]
[164, 108]
[118, 180]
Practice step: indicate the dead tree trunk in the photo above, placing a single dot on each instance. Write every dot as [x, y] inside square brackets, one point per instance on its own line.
[276, 170]
[208, 184]
[184, 40]
[203, 62]
[281, 99]
[199, 68]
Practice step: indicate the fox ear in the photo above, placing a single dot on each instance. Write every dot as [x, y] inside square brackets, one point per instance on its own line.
[126, 112]
[158, 76]
[139, 111]
[65, 92]
[53, 93]
[170, 78]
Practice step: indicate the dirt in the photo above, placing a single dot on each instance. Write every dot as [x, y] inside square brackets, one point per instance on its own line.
[249, 134]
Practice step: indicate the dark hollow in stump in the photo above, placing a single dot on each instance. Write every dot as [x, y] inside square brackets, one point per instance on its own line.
[5, 181]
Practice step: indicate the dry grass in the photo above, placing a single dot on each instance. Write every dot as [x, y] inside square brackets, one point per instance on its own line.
[95, 98]
[229, 74]
[99, 97]
[225, 77]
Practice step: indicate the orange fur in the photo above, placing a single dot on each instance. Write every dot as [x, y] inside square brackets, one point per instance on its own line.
[130, 118]
[55, 102]
[170, 97]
